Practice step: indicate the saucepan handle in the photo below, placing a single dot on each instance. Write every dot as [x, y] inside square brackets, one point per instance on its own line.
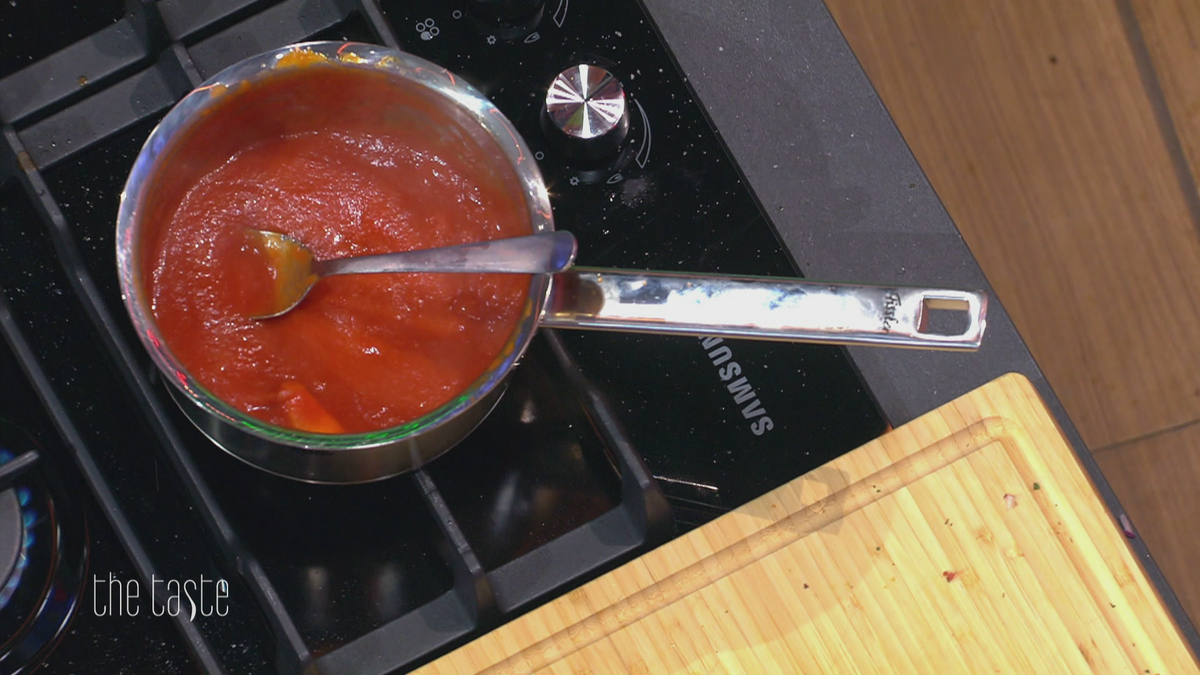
[761, 308]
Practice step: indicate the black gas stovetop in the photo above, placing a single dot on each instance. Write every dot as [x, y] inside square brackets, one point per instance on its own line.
[173, 555]
[130, 543]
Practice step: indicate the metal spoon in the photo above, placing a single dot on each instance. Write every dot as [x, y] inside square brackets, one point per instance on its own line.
[295, 270]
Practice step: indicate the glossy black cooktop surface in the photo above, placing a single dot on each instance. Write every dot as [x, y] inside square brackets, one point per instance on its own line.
[603, 446]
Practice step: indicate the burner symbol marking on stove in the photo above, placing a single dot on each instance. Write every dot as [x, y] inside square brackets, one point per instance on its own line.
[491, 39]
[539, 155]
[615, 178]
[428, 29]
[532, 38]
[560, 14]
[643, 153]
[575, 180]
[457, 14]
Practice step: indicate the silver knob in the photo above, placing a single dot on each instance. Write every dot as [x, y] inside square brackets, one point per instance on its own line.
[586, 112]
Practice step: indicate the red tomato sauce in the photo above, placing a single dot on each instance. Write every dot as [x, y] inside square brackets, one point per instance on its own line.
[349, 163]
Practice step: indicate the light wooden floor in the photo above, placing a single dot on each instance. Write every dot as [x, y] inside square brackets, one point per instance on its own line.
[1064, 138]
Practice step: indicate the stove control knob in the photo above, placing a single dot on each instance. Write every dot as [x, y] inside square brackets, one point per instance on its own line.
[586, 113]
[506, 12]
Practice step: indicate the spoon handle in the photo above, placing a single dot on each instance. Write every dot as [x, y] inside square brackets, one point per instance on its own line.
[762, 308]
[544, 253]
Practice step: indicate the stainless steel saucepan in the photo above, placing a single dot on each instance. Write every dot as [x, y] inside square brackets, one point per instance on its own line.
[581, 298]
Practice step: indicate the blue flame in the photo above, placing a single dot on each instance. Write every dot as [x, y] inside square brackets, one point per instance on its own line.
[6, 593]
[28, 518]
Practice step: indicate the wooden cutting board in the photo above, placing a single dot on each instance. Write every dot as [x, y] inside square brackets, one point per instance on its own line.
[903, 556]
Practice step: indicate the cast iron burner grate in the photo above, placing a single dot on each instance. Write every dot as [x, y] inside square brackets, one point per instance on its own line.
[549, 491]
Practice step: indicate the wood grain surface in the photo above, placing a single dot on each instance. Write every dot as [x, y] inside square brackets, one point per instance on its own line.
[1064, 139]
[1030, 118]
[1170, 33]
[1156, 480]
[903, 556]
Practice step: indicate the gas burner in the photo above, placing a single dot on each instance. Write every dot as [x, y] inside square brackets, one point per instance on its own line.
[43, 554]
